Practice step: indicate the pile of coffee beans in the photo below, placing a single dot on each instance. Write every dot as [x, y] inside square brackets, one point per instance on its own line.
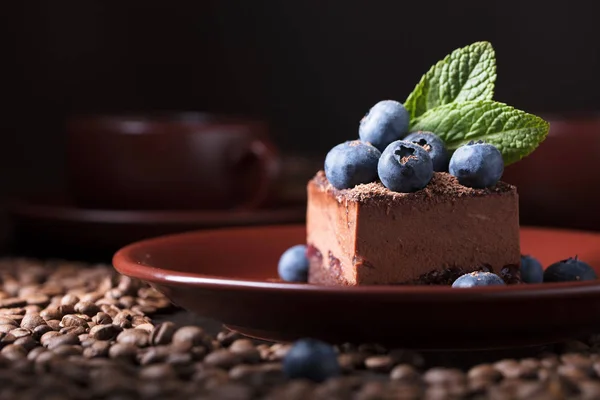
[77, 331]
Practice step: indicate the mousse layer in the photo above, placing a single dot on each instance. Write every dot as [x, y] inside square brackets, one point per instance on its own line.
[370, 235]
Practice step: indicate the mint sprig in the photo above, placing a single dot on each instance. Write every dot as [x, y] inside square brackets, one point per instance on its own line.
[466, 74]
[515, 133]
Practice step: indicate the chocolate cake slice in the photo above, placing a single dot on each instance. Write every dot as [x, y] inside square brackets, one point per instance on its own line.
[371, 235]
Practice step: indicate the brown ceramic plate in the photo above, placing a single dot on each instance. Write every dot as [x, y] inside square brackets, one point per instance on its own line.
[231, 275]
[54, 225]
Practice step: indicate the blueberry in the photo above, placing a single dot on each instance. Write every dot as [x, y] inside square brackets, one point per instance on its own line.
[477, 279]
[434, 146]
[477, 165]
[311, 359]
[293, 264]
[531, 270]
[385, 122]
[568, 270]
[405, 167]
[351, 163]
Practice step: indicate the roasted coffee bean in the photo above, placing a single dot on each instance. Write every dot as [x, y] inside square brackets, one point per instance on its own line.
[7, 321]
[578, 360]
[162, 333]
[97, 349]
[65, 309]
[226, 338]
[14, 352]
[20, 332]
[34, 353]
[158, 372]
[54, 324]
[147, 310]
[379, 363]
[222, 358]
[102, 318]
[154, 354]
[136, 337]
[404, 372]
[69, 300]
[109, 309]
[32, 321]
[32, 309]
[75, 330]
[67, 350]
[189, 336]
[484, 372]
[122, 351]
[87, 307]
[50, 313]
[73, 320]
[351, 361]
[12, 302]
[59, 340]
[127, 301]
[45, 338]
[441, 376]
[148, 328]
[37, 300]
[5, 328]
[104, 332]
[27, 342]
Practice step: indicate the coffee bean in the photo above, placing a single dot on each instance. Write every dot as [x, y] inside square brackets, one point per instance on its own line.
[246, 350]
[20, 332]
[67, 350]
[508, 368]
[109, 309]
[162, 333]
[85, 343]
[589, 390]
[179, 358]
[147, 310]
[75, 330]
[148, 328]
[573, 372]
[578, 360]
[27, 342]
[102, 318]
[91, 297]
[5, 328]
[404, 372]
[7, 321]
[32, 309]
[278, 351]
[127, 302]
[11, 312]
[136, 337]
[59, 340]
[45, 338]
[97, 349]
[50, 313]
[441, 376]
[222, 358]
[7, 338]
[351, 361]
[69, 300]
[122, 351]
[65, 309]
[37, 300]
[32, 321]
[210, 377]
[379, 363]
[12, 302]
[241, 345]
[258, 375]
[123, 319]
[139, 320]
[189, 336]
[14, 352]
[54, 324]
[484, 372]
[73, 320]
[114, 293]
[104, 332]
[34, 353]
[226, 338]
[155, 354]
[158, 372]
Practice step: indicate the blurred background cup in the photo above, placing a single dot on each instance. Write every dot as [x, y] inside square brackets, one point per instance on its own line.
[170, 161]
[558, 184]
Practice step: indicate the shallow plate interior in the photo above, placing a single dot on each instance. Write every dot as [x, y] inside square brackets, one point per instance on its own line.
[230, 275]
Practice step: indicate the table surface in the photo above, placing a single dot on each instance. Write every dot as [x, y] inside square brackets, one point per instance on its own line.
[76, 330]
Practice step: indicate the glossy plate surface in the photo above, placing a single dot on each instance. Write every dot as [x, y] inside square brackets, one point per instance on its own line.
[231, 275]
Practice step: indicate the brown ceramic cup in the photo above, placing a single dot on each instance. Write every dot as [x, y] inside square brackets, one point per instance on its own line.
[558, 183]
[174, 161]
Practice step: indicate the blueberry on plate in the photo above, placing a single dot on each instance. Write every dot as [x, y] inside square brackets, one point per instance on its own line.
[474, 279]
[351, 163]
[311, 359]
[478, 165]
[405, 167]
[531, 270]
[434, 146]
[569, 270]
[293, 264]
[386, 121]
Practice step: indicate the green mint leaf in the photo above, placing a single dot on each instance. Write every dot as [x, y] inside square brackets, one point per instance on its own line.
[466, 74]
[515, 133]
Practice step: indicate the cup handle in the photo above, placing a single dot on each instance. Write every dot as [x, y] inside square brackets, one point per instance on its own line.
[268, 162]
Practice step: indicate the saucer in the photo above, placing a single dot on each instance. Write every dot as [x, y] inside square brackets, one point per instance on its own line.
[55, 226]
[231, 275]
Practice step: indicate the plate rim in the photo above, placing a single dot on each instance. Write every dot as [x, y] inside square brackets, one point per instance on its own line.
[125, 264]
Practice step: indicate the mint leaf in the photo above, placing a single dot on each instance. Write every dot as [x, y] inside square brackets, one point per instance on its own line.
[515, 133]
[466, 74]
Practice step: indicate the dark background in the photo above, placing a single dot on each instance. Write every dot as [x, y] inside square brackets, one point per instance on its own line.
[312, 68]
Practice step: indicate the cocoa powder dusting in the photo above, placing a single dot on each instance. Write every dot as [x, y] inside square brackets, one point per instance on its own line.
[442, 186]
